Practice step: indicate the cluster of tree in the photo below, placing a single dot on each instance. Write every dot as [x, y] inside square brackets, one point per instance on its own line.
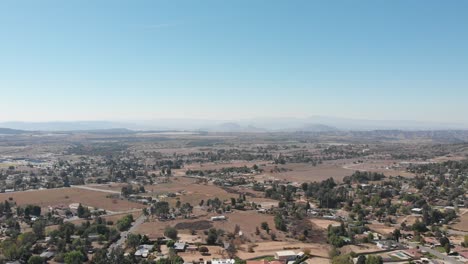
[335, 235]
[279, 192]
[213, 235]
[328, 194]
[129, 189]
[363, 177]
[125, 223]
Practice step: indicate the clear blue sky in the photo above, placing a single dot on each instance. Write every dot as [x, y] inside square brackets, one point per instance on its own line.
[122, 60]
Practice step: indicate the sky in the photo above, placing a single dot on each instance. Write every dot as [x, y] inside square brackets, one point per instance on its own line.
[142, 60]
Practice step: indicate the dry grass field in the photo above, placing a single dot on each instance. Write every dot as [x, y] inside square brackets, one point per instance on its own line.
[66, 196]
[324, 223]
[269, 248]
[361, 248]
[380, 166]
[462, 224]
[303, 172]
[247, 221]
[381, 228]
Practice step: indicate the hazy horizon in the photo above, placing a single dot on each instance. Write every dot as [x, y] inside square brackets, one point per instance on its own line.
[233, 60]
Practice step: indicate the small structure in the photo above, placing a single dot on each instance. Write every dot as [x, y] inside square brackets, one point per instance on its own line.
[417, 210]
[180, 246]
[387, 244]
[143, 250]
[223, 261]
[47, 255]
[218, 218]
[286, 255]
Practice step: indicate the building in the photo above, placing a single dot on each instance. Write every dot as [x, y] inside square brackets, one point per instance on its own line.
[285, 256]
[218, 218]
[223, 261]
[180, 246]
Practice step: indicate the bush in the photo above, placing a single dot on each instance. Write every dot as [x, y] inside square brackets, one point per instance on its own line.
[171, 233]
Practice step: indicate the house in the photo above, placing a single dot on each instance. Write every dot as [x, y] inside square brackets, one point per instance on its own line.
[94, 237]
[143, 250]
[414, 253]
[417, 210]
[180, 246]
[223, 261]
[286, 255]
[47, 255]
[387, 244]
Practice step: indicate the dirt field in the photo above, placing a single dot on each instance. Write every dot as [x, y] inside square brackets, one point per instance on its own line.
[269, 249]
[190, 191]
[380, 166]
[324, 223]
[214, 251]
[409, 219]
[381, 228]
[66, 196]
[360, 248]
[302, 172]
[247, 221]
[462, 225]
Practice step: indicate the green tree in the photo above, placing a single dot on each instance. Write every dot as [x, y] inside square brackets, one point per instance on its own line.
[361, 259]
[212, 237]
[397, 235]
[372, 259]
[36, 260]
[171, 233]
[39, 228]
[133, 240]
[342, 259]
[74, 257]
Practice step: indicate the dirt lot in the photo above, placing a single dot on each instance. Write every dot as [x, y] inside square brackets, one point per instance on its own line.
[381, 228]
[66, 196]
[324, 223]
[304, 172]
[269, 249]
[462, 225]
[387, 167]
[360, 248]
[247, 221]
[190, 191]
[214, 251]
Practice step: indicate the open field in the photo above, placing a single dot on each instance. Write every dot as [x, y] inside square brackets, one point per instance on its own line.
[387, 167]
[381, 228]
[324, 223]
[368, 247]
[247, 221]
[304, 172]
[269, 249]
[462, 224]
[66, 196]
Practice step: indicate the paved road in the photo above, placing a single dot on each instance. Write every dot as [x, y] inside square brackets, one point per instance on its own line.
[123, 235]
[94, 189]
[438, 254]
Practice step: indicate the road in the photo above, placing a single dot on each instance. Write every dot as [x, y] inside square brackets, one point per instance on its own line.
[123, 235]
[94, 189]
[109, 213]
[438, 254]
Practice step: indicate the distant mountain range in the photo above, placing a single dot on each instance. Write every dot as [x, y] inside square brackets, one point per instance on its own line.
[310, 124]
[9, 131]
